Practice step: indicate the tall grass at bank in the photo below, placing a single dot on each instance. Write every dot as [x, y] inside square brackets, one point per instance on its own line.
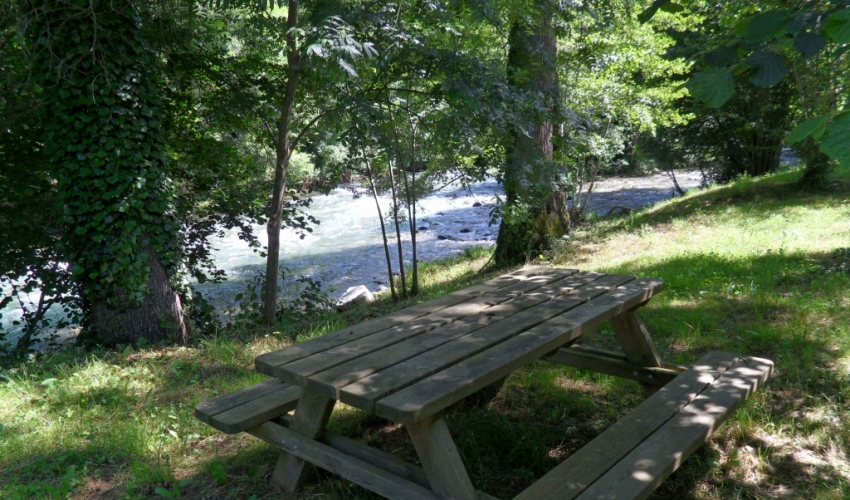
[755, 268]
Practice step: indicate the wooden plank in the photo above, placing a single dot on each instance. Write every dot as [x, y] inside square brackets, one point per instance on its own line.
[636, 344]
[267, 362]
[329, 382]
[378, 458]
[634, 339]
[206, 410]
[642, 470]
[442, 389]
[311, 418]
[370, 455]
[297, 371]
[440, 459]
[571, 477]
[353, 469]
[252, 413]
[365, 392]
[585, 359]
[605, 353]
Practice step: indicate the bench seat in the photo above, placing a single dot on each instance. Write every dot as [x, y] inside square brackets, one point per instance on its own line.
[633, 456]
[241, 410]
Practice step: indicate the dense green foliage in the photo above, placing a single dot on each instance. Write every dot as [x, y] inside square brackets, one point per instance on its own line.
[204, 116]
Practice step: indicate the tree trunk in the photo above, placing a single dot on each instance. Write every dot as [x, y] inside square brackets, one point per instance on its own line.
[283, 153]
[383, 231]
[817, 165]
[403, 293]
[531, 67]
[158, 318]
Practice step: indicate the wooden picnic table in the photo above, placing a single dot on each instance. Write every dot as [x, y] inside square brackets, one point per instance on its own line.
[409, 366]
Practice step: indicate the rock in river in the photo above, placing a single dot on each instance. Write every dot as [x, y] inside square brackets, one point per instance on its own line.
[354, 295]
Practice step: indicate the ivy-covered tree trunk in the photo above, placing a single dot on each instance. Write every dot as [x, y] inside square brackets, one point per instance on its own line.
[98, 79]
[528, 174]
[158, 318]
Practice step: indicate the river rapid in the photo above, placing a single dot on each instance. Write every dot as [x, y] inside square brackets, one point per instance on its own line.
[345, 249]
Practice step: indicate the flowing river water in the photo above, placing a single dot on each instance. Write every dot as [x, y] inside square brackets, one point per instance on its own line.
[346, 249]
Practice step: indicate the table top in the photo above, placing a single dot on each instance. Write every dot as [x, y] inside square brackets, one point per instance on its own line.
[415, 362]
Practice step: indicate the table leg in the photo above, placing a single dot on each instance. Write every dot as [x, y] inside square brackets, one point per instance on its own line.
[637, 346]
[311, 417]
[440, 459]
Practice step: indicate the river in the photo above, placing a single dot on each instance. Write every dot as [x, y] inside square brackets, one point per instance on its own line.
[345, 248]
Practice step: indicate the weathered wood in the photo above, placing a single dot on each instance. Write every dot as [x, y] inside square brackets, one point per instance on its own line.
[255, 412]
[329, 382]
[642, 470]
[373, 456]
[365, 392]
[266, 363]
[440, 459]
[634, 339]
[350, 468]
[204, 411]
[297, 371]
[636, 344]
[311, 417]
[587, 359]
[571, 477]
[448, 386]
[605, 353]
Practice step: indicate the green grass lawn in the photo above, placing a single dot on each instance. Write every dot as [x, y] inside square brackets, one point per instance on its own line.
[756, 268]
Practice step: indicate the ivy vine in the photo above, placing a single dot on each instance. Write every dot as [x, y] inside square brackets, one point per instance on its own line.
[98, 80]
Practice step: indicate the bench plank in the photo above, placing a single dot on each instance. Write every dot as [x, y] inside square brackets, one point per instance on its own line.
[449, 386]
[297, 371]
[642, 470]
[367, 391]
[205, 410]
[256, 412]
[330, 381]
[266, 363]
[582, 468]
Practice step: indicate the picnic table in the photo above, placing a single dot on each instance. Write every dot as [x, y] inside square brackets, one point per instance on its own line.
[411, 365]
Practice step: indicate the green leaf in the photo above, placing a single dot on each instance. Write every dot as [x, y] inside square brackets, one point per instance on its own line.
[766, 25]
[795, 25]
[672, 7]
[838, 26]
[347, 67]
[721, 57]
[813, 127]
[771, 68]
[713, 87]
[836, 139]
[649, 13]
[809, 44]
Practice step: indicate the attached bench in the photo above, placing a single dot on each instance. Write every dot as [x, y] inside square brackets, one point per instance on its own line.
[633, 456]
[411, 365]
[241, 410]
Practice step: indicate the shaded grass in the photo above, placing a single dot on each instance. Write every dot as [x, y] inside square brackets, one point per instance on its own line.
[754, 268]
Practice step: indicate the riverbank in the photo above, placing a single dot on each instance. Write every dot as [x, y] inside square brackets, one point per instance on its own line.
[756, 267]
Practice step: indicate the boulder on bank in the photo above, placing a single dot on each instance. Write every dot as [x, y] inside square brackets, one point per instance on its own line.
[353, 296]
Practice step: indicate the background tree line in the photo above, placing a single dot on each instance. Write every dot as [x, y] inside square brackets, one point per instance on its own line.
[134, 132]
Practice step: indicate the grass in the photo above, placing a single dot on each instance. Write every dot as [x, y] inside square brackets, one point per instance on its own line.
[755, 267]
